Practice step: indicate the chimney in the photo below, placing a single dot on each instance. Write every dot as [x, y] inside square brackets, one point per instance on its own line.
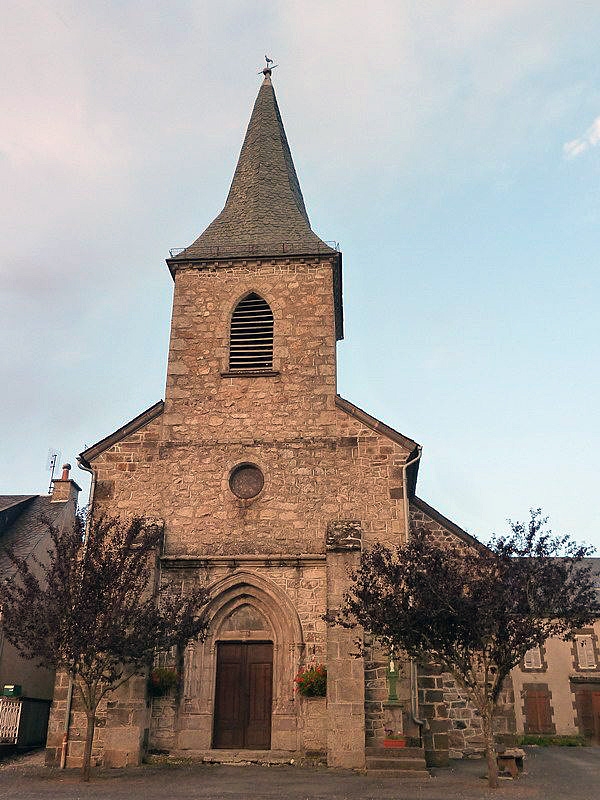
[64, 488]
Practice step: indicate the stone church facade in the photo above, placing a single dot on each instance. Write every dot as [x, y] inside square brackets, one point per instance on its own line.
[269, 485]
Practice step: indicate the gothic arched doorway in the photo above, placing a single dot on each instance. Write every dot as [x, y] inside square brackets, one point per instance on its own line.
[244, 681]
[253, 613]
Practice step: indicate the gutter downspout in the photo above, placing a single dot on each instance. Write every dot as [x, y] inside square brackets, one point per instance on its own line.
[414, 694]
[65, 740]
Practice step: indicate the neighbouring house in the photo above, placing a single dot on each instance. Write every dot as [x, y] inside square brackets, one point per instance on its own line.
[555, 690]
[24, 711]
[557, 686]
[269, 484]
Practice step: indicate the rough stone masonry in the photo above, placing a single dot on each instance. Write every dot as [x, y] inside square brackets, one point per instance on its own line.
[332, 480]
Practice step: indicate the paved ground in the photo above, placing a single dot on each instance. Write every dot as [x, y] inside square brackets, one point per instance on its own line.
[551, 774]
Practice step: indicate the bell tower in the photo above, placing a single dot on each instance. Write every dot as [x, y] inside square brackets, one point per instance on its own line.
[258, 304]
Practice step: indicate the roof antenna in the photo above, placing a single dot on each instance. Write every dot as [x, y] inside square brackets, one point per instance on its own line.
[268, 69]
[52, 460]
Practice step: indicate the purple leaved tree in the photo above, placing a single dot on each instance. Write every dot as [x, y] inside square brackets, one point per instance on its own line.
[474, 610]
[94, 609]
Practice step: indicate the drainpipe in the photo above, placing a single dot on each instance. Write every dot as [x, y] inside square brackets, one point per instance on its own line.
[414, 692]
[65, 741]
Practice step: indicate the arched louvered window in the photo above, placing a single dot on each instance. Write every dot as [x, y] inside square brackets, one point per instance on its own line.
[251, 336]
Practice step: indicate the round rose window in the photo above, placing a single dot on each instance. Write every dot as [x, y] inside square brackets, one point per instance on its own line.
[246, 481]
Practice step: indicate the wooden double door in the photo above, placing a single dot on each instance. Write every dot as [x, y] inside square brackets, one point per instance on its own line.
[243, 696]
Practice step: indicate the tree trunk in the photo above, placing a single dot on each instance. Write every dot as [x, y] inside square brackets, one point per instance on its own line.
[490, 752]
[89, 739]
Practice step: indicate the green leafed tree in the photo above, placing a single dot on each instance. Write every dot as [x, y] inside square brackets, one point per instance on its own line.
[475, 610]
[94, 609]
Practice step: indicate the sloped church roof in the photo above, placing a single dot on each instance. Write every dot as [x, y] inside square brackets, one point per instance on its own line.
[264, 213]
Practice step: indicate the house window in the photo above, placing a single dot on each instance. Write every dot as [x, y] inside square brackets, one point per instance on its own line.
[586, 658]
[251, 335]
[533, 659]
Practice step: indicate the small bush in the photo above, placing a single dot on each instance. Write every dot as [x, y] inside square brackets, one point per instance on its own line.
[311, 681]
[552, 741]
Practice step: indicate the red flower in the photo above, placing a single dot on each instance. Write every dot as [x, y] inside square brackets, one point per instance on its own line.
[311, 681]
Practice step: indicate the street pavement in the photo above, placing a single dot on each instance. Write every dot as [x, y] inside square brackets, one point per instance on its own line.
[556, 773]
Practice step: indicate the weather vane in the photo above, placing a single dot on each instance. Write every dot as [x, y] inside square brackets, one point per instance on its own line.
[267, 70]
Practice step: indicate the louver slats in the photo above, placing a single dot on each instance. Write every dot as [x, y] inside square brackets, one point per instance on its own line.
[251, 335]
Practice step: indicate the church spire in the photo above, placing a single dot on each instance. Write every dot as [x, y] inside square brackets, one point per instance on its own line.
[264, 213]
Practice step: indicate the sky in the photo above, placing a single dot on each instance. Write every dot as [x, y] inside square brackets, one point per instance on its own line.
[451, 148]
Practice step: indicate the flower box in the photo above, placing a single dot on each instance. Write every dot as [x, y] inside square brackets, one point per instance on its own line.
[393, 743]
[162, 680]
[311, 681]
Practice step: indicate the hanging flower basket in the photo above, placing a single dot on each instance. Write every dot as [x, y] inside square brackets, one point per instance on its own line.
[311, 681]
[162, 680]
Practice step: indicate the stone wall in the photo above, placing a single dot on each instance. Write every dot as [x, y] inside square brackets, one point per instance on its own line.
[441, 530]
[432, 708]
[163, 723]
[289, 594]
[376, 691]
[345, 671]
[122, 726]
[322, 463]
[465, 734]
[313, 725]
[319, 463]
[307, 483]
[444, 704]
[300, 294]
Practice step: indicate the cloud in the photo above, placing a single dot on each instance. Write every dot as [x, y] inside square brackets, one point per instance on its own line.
[589, 139]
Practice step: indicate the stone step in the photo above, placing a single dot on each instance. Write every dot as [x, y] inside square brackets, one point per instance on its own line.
[403, 774]
[395, 752]
[234, 756]
[395, 763]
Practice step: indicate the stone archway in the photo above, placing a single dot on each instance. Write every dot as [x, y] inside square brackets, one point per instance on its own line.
[245, 608]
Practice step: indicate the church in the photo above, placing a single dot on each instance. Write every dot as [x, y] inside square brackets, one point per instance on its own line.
[269, 485]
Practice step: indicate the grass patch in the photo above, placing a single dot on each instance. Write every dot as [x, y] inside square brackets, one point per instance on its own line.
[553, 741]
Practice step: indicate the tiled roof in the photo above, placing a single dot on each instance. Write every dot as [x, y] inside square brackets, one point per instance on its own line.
[264, 213]
[594, 563]
[24, 530]
[9, 500]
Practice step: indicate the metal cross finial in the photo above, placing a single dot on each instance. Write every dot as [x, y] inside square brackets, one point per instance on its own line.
[267, 70]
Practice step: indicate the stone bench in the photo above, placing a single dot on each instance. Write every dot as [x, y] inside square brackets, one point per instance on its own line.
[511, 761]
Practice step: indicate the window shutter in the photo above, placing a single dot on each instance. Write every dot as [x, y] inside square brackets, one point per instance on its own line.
[585, 652]
[533, 658]
[251, 335]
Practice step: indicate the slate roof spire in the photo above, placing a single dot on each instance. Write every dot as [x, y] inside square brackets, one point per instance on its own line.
[264, 213]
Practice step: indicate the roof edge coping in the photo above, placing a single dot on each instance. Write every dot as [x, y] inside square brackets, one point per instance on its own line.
[452, 527]
[376, 425]
[132, 426]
